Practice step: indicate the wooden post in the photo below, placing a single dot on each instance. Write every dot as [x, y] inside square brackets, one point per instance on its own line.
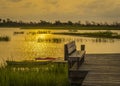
[65, 52]
[82, 47]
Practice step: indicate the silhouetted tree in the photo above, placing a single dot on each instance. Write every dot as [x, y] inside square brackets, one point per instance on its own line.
[57, 23]
[105, 24]
[93, 23]
[70, 23]
[44, 23]
[87, 23]
[7, 20]
[4, 21]
[0, 20]
[11, 23]
[77, 23]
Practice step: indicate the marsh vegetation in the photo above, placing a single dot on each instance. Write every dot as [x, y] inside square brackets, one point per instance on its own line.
[106, 34]
[51, 74]
[4, 38]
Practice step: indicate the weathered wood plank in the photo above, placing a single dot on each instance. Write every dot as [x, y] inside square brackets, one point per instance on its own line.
[104, 70]
[71, 47]
[70, 44]
[78, 54]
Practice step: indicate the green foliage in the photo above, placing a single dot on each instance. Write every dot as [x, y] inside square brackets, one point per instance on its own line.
[47, 75]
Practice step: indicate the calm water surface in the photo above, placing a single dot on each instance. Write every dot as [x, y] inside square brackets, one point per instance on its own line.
[42, 43]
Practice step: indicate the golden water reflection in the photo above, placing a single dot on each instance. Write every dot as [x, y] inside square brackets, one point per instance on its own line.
[32, 45]
[49, 45]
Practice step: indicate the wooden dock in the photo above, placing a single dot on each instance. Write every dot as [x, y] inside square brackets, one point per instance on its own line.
[103, 70]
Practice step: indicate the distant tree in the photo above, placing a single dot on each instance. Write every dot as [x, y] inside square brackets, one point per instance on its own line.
[77, 23]
[44, 23]
[0, 20]
[4, 21]
[93, 23]
[58, 22]
[116, 24]
[8, 20]
[70, 23]
[100, 24]
[87, 23]
[105, 24]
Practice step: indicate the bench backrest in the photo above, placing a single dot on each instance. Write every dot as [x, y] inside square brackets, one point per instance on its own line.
[69, 48]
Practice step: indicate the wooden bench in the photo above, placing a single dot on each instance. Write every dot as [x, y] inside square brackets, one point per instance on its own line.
[75, 58]
[72, 55]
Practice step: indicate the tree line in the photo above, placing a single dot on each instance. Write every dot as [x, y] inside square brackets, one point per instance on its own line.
[10, 23]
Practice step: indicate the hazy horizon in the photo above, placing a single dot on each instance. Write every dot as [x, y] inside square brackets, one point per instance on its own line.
[63, 10]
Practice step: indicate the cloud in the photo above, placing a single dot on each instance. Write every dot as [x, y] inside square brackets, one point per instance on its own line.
[100, 7]
[61, 9]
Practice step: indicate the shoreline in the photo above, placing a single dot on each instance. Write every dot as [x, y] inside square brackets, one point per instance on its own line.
[67, 27]
[73, 28]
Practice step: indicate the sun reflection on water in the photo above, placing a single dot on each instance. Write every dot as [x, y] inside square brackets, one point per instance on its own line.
[32, 45]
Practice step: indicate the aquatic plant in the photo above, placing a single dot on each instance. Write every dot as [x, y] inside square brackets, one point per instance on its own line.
[50, 40]
[106, 34]
[4, 38]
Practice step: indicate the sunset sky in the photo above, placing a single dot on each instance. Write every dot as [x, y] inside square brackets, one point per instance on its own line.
[63, 10]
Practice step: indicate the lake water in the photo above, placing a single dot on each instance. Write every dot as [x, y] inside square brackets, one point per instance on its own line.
[29, 44]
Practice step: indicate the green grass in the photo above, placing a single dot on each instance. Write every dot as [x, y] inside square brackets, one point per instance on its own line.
[106, 34]
[4, 38]
[45, 75]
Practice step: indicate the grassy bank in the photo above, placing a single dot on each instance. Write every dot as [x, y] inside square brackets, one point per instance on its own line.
[106, 34]
[4, 38]
[44, 75]
[74, 28]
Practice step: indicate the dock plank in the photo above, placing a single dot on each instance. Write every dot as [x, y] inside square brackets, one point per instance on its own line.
[103, 70]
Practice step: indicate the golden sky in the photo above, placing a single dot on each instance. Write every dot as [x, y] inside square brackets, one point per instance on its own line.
[64, 10]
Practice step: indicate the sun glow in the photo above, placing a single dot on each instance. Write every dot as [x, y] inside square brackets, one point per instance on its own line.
[44, 36]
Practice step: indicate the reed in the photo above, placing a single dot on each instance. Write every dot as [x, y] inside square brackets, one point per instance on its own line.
[44, 75]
